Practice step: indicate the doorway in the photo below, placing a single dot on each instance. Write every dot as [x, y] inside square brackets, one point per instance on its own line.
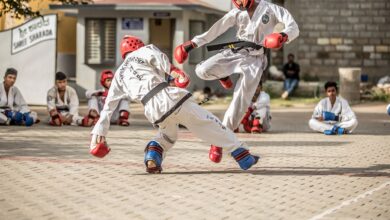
[161, 34]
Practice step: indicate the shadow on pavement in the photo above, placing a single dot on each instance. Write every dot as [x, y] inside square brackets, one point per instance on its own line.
[378, 170]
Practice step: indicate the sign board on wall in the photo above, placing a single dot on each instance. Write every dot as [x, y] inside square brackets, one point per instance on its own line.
[34, 32]
[132, 23]
[162, 14]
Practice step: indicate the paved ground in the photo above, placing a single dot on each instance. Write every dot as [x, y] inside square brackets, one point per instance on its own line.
[47, 173]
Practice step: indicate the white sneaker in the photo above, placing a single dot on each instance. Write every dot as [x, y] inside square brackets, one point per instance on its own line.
[285, 95]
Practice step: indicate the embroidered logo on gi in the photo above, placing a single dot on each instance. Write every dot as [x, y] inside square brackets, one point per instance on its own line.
[265, 19]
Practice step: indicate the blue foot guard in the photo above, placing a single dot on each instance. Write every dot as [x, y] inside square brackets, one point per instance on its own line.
[153, 157]
[244, 158]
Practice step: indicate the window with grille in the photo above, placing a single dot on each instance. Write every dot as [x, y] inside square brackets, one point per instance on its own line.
[100, 41]
[197, 55]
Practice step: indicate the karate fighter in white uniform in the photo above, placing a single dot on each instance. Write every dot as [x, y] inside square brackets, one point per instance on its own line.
[255, 21]
[333, 115]
[258, 116]
[142, 78]
[96, 99]
[63, 103]
[13, 107]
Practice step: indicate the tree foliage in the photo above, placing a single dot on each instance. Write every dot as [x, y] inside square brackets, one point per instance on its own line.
[21, 8]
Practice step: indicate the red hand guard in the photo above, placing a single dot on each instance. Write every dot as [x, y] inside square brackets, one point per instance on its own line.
[275, 40]
[181, 51]
[181, 78]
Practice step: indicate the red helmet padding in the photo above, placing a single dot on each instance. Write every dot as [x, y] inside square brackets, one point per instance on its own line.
[106, 74]
[130, 44]
[247, 4]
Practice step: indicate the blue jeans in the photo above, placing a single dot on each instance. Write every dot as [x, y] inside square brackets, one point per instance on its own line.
[290, 85]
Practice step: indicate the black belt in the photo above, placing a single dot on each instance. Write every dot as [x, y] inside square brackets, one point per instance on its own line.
[62, 109]
[176, 106]
[153, 92]
[235, 46]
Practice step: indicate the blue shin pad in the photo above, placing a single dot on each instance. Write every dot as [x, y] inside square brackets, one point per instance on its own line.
[153, 152]
[244, 158]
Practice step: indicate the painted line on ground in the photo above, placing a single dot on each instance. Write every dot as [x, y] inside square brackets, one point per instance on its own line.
[350, 201]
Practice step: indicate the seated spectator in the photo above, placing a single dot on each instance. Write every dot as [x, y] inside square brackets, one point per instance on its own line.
[291, 73]
[96, 99]
[333, 114]
[63, 103]
[13, 107]
[258, 117]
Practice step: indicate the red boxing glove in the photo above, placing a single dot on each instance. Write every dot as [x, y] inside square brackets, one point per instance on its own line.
[181, 78]
[275, 40]
[181, 51]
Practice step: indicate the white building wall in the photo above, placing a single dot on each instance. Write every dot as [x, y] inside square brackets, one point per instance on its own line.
[85, 74]
[224, 5]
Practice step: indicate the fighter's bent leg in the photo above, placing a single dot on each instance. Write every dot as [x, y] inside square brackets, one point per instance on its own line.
[208, 127]
[219, 66]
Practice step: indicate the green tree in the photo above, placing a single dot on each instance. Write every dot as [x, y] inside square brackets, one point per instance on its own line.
[21, 8]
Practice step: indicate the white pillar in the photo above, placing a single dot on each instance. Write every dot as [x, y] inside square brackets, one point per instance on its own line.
[350, 84]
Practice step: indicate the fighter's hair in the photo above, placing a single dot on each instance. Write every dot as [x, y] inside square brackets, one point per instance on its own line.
[60, 76]
[290, 54]
[331, 84]
[11, 71]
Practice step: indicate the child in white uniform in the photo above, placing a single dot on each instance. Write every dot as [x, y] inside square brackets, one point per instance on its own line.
[333, 115]
[255, 21]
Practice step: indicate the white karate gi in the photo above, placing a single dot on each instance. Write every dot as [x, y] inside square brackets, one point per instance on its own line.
[14, 102]
[248, 63]
[70, 105]
[97, 102]
[142, 71]
[341, 108]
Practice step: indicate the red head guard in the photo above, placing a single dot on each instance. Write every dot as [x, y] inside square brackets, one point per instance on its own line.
[244, 5]
[106, 74]
[130, 44]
